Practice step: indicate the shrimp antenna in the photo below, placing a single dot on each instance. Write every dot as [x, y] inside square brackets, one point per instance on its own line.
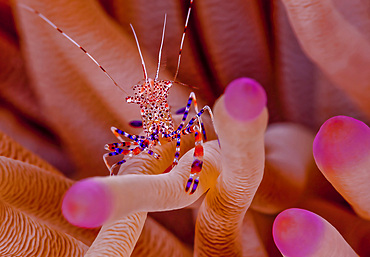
[141, 56]
[71, 40]
[182, 40]
[160, 49]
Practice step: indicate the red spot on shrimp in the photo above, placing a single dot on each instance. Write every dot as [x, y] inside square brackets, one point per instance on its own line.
[198, 151]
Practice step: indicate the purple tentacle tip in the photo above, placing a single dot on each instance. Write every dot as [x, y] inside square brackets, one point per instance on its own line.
[87, 204]
[297, 232]
[341, 143]
[244, 99]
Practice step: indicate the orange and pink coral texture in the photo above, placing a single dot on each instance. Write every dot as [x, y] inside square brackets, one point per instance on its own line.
[291, 177]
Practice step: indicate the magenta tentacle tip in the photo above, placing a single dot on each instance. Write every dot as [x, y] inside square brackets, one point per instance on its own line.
[87, 204]
[244, 99]
[297, 232]
[341, 143]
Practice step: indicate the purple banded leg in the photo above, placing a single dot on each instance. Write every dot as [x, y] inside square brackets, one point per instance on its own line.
[119, 163]
[116, 149]
[111, 168]
[199, 132]
[203, 131]
[187, 129]
[197, 165]
[119, 151]
[113, 146]
[191, 99]
[177, 133]
[198, 116]
[177, 154]
[118, 133]
[180, 129]
[150, 152]
[192, 178]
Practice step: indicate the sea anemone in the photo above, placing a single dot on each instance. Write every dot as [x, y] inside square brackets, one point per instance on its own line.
[275, 74]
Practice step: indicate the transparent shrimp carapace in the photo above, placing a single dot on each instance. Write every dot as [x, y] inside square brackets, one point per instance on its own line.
[152, 97]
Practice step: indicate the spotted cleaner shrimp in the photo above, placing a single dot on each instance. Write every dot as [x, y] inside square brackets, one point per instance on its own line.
[152, 97]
